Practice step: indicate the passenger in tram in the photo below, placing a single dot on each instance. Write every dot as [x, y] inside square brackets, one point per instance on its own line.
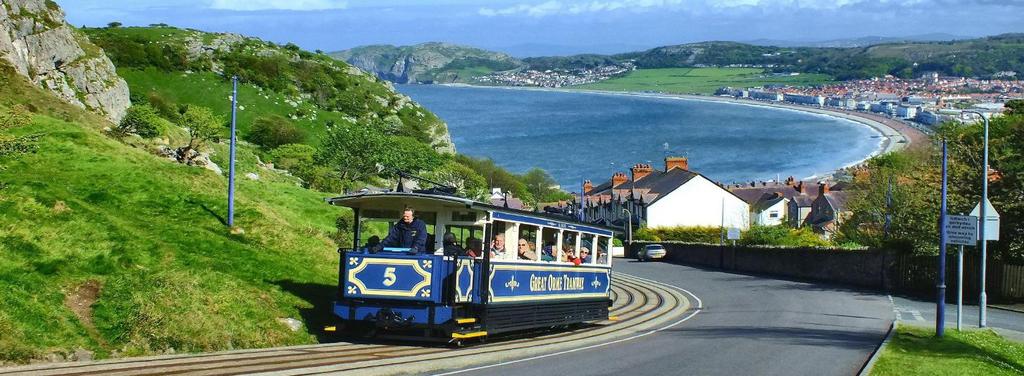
[498, 246]
[451, 246]
[372, 244]
[474, 247]
[585, 255]
[526, 251]
[568, 256]
[548, 251]
[410, 232]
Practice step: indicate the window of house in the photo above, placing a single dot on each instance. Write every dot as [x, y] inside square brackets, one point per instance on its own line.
[773, 214]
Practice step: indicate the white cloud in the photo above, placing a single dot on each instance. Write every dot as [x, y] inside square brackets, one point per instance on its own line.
[246, 5]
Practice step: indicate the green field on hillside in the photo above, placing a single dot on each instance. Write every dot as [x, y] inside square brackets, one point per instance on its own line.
[699, 80]
[210, 90]
[106, 247]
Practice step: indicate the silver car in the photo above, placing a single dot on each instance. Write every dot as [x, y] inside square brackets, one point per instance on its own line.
[651, 252]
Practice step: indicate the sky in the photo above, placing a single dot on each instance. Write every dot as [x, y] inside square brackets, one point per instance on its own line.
[550, 27]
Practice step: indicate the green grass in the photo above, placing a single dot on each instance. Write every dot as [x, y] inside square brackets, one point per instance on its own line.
[699, 80]
[916, 351]
[88, 209]
[210, 90]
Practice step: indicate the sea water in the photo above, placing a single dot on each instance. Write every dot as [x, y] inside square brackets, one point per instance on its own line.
[576, 136]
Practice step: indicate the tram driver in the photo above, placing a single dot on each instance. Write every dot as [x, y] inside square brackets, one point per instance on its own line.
[410, 232]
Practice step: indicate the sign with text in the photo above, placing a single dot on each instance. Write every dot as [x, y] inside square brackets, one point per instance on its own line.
[733, 234]
[961, 229]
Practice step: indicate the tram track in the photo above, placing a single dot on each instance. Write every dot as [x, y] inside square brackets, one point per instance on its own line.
[638, 306]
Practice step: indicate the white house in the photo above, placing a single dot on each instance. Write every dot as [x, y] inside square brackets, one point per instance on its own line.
[672, 197]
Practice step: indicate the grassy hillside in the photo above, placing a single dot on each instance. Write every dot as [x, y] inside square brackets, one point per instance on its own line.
[980, 57]
[700, 80]
[108, 248]
[167, 66]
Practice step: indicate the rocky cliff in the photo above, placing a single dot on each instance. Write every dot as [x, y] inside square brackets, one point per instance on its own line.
[427, 62]
[40, 45]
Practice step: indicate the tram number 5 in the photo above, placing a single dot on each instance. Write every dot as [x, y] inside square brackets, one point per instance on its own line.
[389, 276]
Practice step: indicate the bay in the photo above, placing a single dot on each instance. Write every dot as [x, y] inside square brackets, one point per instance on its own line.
[576, 135]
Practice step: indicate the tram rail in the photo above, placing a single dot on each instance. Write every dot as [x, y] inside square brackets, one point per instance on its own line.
[637, 306]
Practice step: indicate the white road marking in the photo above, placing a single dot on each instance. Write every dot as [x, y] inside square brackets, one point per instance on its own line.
[700, 306]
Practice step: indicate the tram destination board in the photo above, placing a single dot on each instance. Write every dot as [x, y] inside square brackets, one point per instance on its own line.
[962, 229]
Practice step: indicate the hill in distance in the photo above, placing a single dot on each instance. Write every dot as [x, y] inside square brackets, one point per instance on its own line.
[859, 41]
[428, 62]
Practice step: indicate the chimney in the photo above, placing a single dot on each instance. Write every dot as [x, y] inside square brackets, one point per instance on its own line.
[790, 180]
[823, 189]
[676, 162]
[800, 187]
[618, 178]
[640, 170]
[587, 186]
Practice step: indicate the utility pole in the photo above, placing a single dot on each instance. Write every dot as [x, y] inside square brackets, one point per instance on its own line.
[231, 156]
[983, 217]
[940, 304]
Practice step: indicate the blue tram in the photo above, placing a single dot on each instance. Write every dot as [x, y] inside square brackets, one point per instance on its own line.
[554, 270]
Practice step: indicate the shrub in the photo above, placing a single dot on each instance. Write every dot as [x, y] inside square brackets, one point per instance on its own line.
[141, 120]
[783, 236]
[293, 157]
[691, 234]
[274, 130]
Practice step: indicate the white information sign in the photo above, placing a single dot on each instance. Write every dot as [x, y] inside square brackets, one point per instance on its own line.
[962, 230]
[733, 234]
[991, 220]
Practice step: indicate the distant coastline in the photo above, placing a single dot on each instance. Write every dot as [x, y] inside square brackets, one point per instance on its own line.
[890, 137]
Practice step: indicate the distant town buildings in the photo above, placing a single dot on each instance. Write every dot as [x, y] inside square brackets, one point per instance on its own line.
[929, 99]
[555, 78]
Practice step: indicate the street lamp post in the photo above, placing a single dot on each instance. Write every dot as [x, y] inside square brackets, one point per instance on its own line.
[629, 229]
[982, 298]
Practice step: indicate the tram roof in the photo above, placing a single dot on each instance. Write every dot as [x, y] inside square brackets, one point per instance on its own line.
[400, 200]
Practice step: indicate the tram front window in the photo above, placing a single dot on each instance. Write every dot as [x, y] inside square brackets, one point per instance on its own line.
[469, 237]
[374, 227]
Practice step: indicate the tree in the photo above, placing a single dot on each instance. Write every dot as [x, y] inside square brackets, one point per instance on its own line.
[114, 25]
[497, 177]
[1014, 107]
[202, 125]
[141, 120]
[358, 152]
[274, 130]
[541, 186]
[460, 177]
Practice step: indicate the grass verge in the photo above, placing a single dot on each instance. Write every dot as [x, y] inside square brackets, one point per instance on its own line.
[916, 351]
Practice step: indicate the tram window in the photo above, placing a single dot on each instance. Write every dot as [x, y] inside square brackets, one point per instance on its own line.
[464, 233]
[527, 234]
[549, 239]
[380, 224]
[602, 250]
[587, 248]
[570, 246]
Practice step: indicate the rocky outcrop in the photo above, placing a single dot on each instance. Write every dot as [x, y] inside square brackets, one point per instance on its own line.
[427, 62]
[40, 45]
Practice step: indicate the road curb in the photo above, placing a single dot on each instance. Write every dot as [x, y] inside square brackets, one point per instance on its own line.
[866, 370]
[1007, 309]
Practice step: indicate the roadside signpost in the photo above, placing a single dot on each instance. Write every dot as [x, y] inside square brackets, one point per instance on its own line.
[231, 155]
[733, 234]
[961, 230]
[940, 287]
[991, 221]
[988, 224]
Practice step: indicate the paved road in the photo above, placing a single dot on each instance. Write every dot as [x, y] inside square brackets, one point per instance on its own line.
[748, 326]
[917, 312]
